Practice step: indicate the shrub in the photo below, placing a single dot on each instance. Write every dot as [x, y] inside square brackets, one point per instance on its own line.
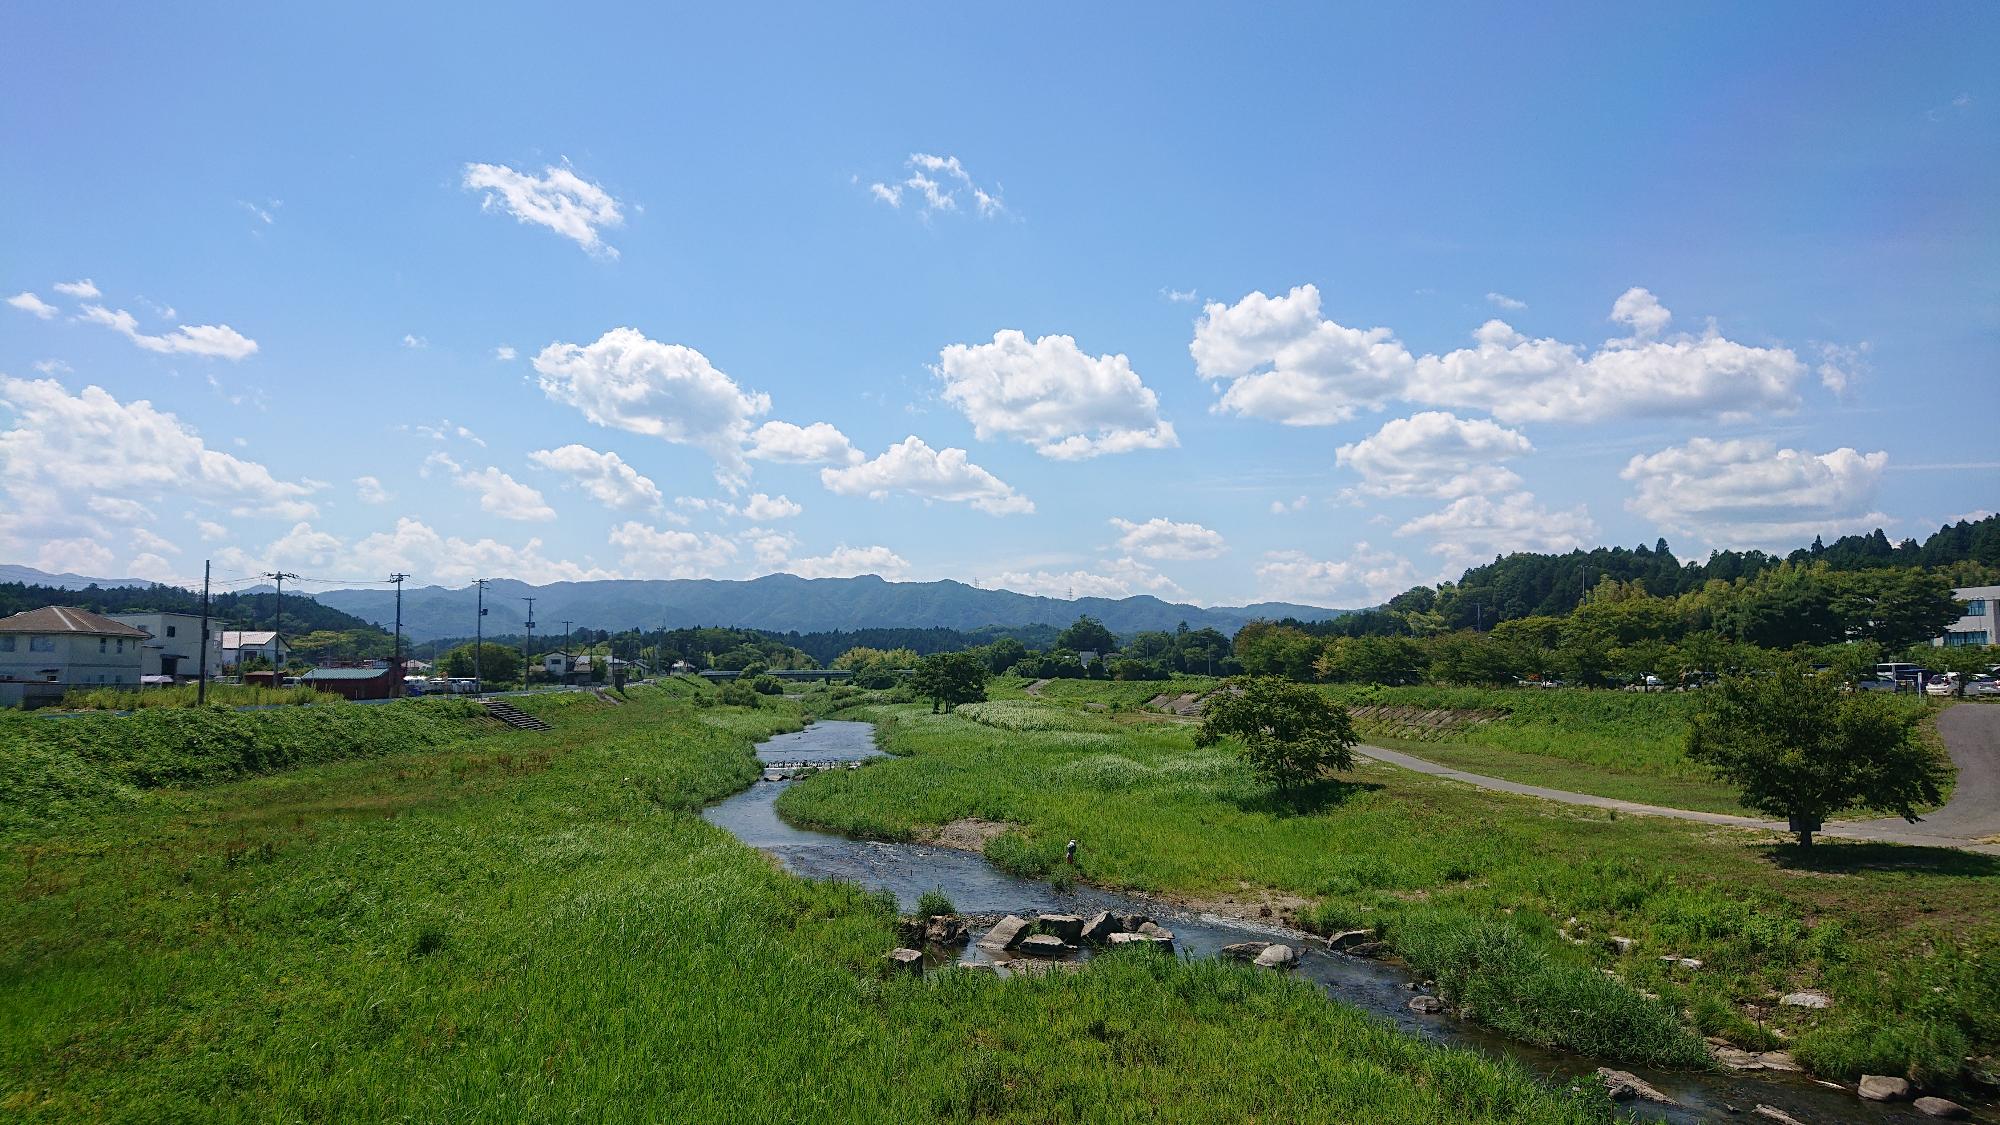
[934, 902]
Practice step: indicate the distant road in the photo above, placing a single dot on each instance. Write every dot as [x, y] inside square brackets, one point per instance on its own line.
[1971, 731]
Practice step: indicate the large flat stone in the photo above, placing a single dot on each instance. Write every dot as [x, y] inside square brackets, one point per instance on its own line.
[1006, 933]
[1883, 1088]
[1068, 927]
[1044, 945]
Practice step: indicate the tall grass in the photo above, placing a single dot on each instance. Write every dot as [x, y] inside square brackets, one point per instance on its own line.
[537, 927]
[185, 695]
[54, 768]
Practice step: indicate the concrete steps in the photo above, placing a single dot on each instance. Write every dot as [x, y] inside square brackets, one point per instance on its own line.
[511, 715]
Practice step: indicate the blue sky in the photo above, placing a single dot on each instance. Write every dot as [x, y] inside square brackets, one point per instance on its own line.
[1172, 299]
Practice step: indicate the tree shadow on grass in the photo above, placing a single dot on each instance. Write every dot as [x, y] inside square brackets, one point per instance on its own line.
[1853, 857]
[1327, 793]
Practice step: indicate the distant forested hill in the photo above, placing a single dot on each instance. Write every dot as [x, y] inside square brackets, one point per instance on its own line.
[784, 603]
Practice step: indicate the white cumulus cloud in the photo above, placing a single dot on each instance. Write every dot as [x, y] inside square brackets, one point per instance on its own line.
[1366, 577]
[369, 490]
[215, 340]
[32, 305]
[1159, 538]
[846, 562]
[603, 476]
[499, 494]
[1517, 379]
[1049, 394]
[817, 444]
[668, 391]
[1277, 359]
[1436, 454]
[914, 467]
[83, 289]
[1750, 493]
[90, 443]
[558, 199]
[651, 552]
[939, 183]
[1502, 300]
[1474, 529]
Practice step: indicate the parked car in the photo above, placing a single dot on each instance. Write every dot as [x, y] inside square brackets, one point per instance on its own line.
[1941, 686]
[1982, 684]
[415, 685]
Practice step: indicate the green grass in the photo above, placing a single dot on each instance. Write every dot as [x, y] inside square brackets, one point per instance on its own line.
[537, 926]
[185, 695]
[1628, 745]
[1907, 940]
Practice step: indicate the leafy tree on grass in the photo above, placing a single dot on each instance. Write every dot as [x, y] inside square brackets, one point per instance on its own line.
[948, 679]
[1087, 634]
[497, 663]
[1291, 734]
[1801, 747]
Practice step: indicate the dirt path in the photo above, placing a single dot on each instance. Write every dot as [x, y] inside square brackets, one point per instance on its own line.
[1035, 688]
[1970, 816]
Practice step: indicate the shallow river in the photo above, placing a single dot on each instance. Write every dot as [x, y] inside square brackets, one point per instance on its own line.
[977, 887]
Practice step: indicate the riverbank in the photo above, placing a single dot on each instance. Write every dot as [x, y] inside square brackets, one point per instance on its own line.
[1903, 940]
[538, 926]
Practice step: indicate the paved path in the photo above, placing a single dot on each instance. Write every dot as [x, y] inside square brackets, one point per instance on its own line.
[1971, 731]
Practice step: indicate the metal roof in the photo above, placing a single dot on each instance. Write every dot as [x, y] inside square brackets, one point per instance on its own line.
[345, 674]
[63, 619]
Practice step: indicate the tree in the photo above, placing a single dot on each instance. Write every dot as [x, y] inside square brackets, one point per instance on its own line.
[1801, 747]
[948, 679]
[1291, 734]
[497, 662]
[1087, 634]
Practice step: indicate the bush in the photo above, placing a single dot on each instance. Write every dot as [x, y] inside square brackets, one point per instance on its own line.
[767, 685]
[933, 902]
[1511, 981]
[737, 693]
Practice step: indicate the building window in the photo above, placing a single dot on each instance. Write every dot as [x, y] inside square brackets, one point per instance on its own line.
[41, 644]
[103, 644]
[121, 644]
[170, 630]
[1974, 637]
[7, 644]
[1976, 607]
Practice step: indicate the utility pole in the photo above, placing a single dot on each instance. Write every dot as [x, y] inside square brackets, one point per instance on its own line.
[568, 664]
[278, 629]
[527, 644]
[201, 685]
[397, 663]
[479, 640]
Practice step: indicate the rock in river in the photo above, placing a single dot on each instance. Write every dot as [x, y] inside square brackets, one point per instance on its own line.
[1942, 1107]
[1277, 956]
[1773, 1113]
[1428, 1005]
[1068, 927]
[1245, 950]
[1100, 928]
[1623, 1086]
[1044, 945]
[1881, 1088]
[1006, 933]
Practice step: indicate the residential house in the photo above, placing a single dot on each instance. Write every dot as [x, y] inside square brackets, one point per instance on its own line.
[45, 652]
[240, 645]
[173, 645]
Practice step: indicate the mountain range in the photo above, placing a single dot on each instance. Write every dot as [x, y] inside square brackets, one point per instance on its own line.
[780, 603]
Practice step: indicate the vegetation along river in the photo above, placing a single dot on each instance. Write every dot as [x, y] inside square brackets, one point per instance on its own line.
[1384, 990]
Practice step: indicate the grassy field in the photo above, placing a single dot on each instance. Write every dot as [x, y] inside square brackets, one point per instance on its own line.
[184, 695]
[1907, 941]
[537, 926]
[1629, 745]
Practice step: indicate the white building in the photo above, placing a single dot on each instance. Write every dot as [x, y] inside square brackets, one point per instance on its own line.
[239, 645]
[1981, 623]
[173, 647]
[45, 652]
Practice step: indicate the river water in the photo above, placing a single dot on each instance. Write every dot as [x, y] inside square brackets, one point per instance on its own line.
[1383, 990]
